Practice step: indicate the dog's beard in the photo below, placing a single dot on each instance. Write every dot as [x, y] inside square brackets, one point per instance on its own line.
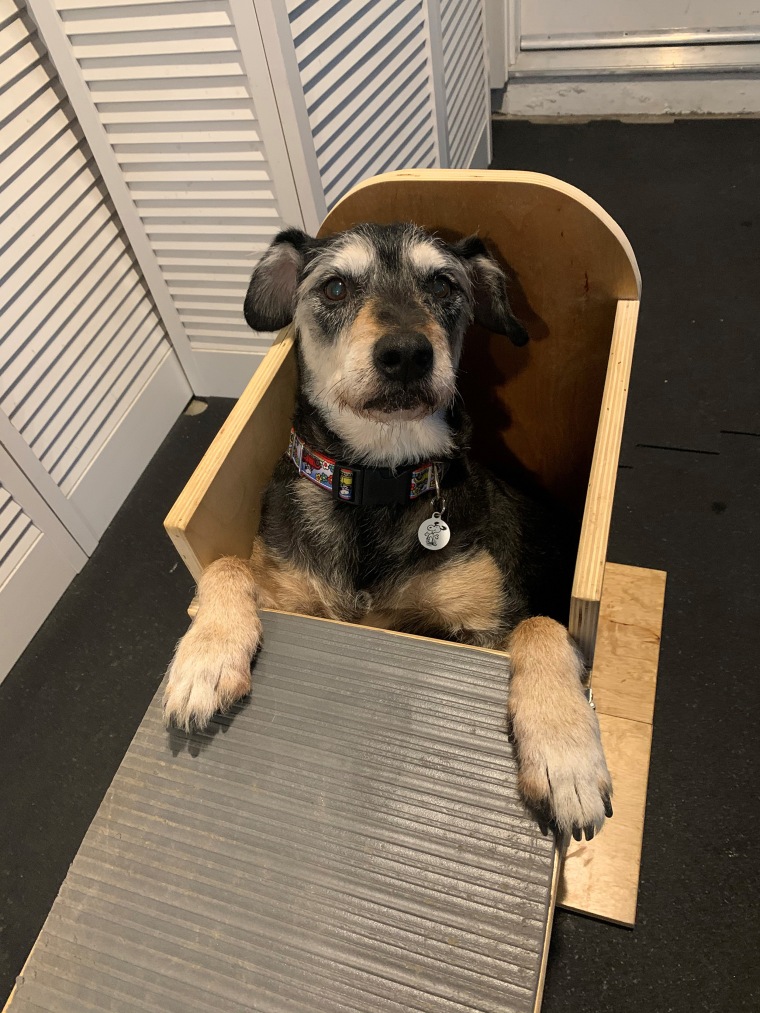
[399, 404]
[378, 427]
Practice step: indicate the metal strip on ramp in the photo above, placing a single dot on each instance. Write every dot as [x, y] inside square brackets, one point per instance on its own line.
[350, 838]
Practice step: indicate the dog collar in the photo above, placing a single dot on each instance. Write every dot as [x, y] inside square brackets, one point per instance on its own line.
[367, 486]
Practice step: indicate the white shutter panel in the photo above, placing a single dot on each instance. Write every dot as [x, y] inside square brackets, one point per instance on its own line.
[18, 534]
[80, 339]
[38, 559]
[467, 94]
[179, 97]
[367, 79]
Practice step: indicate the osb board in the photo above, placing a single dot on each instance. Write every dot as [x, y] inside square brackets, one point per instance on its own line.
[319, 850]
[535, 409]
[601, 878]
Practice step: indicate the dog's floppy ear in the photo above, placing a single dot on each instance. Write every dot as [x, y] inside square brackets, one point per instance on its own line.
[489, 288]
[271, 297]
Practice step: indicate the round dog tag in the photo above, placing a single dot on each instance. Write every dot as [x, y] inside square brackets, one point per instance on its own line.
[434, 533]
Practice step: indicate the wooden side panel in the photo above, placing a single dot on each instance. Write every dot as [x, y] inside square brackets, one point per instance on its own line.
[592, 548]
[217, 513]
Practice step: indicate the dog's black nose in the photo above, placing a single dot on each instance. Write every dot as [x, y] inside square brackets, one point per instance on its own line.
[403, 357]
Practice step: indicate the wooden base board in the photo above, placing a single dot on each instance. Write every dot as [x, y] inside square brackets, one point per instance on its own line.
[601, 877]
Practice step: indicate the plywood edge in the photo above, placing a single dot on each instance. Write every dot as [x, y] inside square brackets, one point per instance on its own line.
[181, 514]
[20, 975]
[595, 529]
[185, 550]
[553, 894]
[583, 625]
[505, 176]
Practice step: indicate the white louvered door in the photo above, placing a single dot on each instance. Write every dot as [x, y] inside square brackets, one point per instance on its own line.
[176, 101]
[38, 559]
[465, 79]
[151, 150]
[216, 122]
[84, 358]
[89, 383]
[367, 81]
[377, 86]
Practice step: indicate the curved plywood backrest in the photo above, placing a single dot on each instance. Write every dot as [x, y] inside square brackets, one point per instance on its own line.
[535, 409]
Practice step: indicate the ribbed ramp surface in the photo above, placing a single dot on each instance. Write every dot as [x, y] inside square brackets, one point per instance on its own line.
[349, 839]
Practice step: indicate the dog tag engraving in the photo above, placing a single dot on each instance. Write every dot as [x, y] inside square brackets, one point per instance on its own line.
[434, 533]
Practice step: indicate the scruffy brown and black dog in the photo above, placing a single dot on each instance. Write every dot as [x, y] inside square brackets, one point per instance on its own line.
[376, 514]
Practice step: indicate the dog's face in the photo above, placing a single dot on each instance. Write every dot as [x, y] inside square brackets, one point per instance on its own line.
[381, 313]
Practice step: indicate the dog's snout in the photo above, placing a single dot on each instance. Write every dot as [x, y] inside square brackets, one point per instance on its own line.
[403, 357]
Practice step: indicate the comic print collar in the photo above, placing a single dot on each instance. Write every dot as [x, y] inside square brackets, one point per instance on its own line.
[370, 486]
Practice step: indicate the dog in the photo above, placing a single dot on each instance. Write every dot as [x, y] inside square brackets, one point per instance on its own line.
[378, 515]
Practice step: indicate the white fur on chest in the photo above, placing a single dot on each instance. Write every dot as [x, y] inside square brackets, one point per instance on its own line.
[389, 444]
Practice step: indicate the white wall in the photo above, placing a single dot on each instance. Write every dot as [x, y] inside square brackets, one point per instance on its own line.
[673, 57]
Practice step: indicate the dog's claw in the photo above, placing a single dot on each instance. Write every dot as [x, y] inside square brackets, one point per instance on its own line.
[510, 735]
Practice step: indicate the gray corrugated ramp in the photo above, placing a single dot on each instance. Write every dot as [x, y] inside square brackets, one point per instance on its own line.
[350, 838]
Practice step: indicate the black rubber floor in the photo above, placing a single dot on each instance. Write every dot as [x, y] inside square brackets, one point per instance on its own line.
[687, 195]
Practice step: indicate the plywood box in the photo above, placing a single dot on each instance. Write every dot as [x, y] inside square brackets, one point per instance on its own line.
[552, 411]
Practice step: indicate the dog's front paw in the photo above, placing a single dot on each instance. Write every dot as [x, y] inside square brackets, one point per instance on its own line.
[562, 770]
[207, 674]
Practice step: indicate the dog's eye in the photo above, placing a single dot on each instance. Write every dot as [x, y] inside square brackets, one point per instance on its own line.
[440, 287]
[335, 290]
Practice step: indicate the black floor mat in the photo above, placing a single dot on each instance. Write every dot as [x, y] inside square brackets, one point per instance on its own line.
[687, 196]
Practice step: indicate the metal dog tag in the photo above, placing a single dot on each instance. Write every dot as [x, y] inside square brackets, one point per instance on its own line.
[434, 533]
